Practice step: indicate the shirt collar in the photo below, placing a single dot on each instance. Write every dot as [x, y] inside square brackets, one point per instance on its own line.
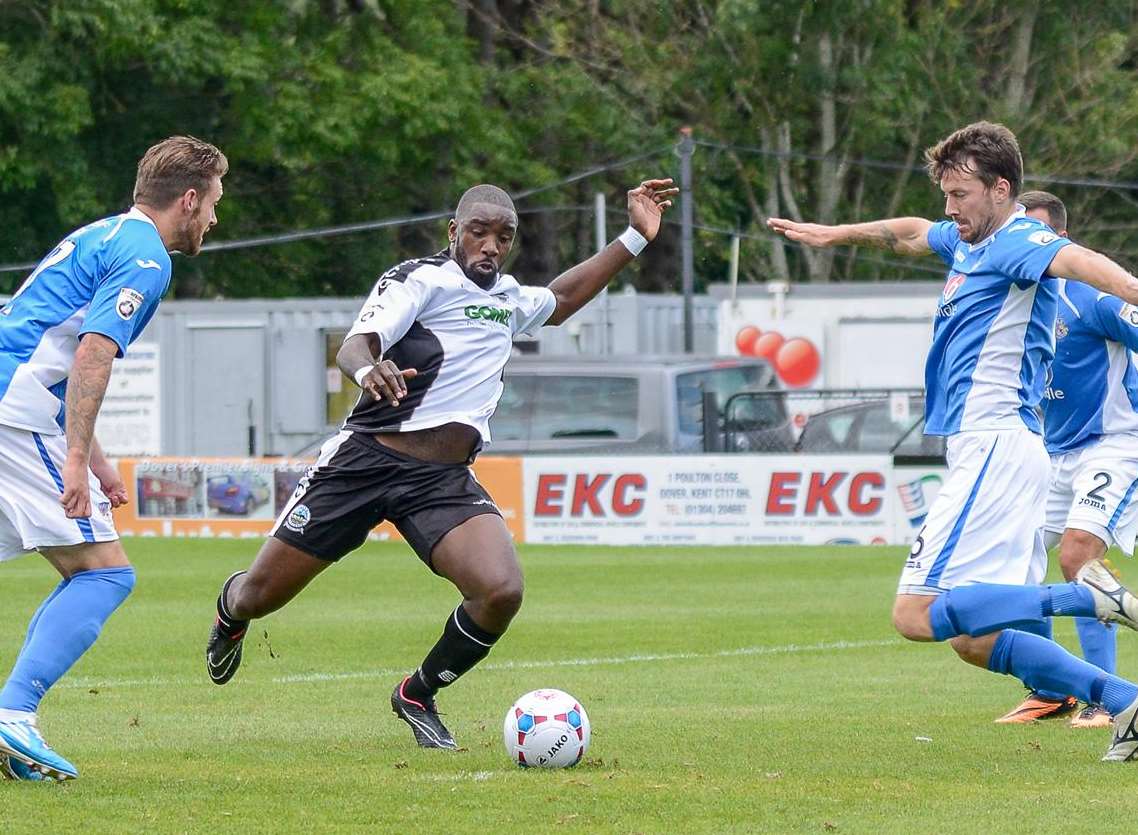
[136, 213]
[1018, 214]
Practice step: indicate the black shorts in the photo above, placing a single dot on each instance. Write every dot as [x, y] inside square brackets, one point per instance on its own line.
[357, 482]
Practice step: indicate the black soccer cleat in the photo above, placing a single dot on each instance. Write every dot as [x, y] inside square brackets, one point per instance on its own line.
[223, 650]
[424, 720]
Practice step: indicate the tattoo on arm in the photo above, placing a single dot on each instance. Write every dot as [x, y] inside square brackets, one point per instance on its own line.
[86, 385]
[874, 234]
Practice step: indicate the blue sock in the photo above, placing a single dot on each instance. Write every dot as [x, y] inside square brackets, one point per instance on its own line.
[1068, 599]
[65, 629]
[984, 608]
[1044, 665]
[1099, 642]
[1044, 630]
[39, 612]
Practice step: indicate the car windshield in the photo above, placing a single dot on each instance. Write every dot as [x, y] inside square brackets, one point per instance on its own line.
[539, 408]
[723, 383]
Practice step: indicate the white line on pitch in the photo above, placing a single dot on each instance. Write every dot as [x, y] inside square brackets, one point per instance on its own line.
[308, 678]
[786, 649]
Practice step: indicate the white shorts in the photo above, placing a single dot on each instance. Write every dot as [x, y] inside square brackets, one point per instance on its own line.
[985, 524]
[31, 485]
[1093, 490]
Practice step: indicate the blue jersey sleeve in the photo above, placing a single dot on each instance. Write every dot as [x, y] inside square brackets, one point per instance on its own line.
[1027, 251]
[942, 239]
[1117, 320]
[134, 277]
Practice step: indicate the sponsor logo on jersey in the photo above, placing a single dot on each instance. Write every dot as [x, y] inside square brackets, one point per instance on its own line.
[1049, 391]
[952, 285]
[960, 256]
[1061, 329]
[148, 264]
[490, 314]
[299, 517]
[128, 304]
[1129, 315]
[1042, 237]
[1020, 227]
[1087, 501]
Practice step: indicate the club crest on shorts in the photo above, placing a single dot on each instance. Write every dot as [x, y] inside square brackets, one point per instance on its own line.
[128, 303]
[299, 517]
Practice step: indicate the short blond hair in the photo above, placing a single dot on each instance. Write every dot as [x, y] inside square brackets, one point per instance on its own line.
[174, 166]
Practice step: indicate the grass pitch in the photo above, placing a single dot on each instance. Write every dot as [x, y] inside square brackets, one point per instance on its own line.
[730, 690]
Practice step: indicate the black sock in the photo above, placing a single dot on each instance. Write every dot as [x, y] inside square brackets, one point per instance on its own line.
[232, 627]
[463, 644]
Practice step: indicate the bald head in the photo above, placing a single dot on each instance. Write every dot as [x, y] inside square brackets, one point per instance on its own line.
[482, 232]
[486, 195]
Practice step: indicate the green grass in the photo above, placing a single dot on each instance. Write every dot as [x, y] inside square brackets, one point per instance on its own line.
[730, 690]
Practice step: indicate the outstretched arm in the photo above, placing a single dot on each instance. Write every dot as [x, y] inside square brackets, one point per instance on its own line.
[903, 235]
[1095, 269]
[86, 385]
[576, 286]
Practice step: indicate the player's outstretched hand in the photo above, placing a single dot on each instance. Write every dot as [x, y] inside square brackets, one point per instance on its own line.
[76, 499]
[811, 234]
[387, 382]
[647, 204]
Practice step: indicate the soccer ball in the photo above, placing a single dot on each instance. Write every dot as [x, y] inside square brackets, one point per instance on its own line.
[546, 728]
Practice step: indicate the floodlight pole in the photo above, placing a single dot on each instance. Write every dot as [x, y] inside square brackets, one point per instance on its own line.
[686, 148]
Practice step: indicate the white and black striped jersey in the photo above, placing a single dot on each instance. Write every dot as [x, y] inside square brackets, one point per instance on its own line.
[429, 316]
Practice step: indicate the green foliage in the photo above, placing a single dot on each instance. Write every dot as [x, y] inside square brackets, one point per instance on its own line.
[342, 111]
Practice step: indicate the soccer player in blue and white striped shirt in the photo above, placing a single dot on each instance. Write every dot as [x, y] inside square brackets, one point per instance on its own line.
[85, 302]
[993, 341]
[1090, 428]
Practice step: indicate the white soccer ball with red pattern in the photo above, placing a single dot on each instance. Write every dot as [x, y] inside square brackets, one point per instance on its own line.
[546, 728]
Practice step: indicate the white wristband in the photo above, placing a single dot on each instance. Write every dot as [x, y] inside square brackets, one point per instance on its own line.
[633, 241]
[361, 373]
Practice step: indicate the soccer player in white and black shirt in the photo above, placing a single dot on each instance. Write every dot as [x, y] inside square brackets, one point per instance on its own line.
[428, 350]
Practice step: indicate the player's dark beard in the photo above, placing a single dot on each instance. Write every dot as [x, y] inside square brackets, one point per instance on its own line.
[459, 257]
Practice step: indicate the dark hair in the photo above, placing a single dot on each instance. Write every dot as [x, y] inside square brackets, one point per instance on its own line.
[988, 150]
[174, 166]
[1047, 201]
[483, 194]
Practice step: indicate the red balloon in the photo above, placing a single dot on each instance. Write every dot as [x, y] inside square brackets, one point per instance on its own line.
[797, 361]
[767, 345]
[745, 339]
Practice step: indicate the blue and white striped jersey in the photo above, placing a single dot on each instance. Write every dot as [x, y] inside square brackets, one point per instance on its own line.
[104, 278]
[993, 331]
[1093, 386]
